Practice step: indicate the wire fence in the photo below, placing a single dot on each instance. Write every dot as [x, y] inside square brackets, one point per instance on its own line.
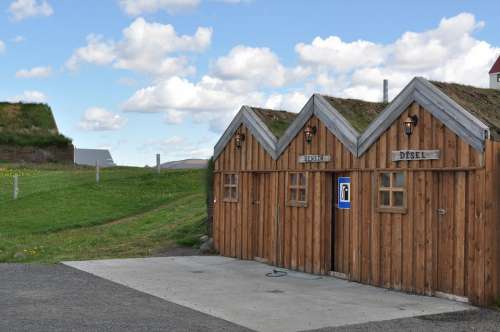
[21, 182]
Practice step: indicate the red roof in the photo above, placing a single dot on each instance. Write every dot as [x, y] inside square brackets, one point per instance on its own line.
[496, 67]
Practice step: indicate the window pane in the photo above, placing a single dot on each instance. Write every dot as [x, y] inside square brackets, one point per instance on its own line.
[302, 197]
[293, 179]
[302, 179]
[226, 179]
[399, 180]
[233, 179]
[293, 194]
[234, 193]
[227, 192]
[384, 198]
[385, 180]
[397, 199]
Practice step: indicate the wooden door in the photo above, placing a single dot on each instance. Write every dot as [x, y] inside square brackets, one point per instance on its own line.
[445, 229]
[261, 223]
[340, 231]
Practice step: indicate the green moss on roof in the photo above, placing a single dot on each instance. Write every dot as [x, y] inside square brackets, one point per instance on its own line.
[358, 113]
[482, 103]
[29, 124]
[276, 120]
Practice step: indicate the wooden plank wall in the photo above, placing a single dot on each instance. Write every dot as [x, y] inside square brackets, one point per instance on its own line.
[390, 250]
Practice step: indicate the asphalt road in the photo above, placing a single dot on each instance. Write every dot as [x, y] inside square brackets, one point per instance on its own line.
[59, 298]
[480, 320]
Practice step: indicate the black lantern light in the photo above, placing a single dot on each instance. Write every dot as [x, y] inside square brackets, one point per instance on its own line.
[409, 124]
[239, 139]
[309, 132]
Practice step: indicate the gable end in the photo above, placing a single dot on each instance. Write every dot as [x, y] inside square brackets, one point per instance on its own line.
[419, 90]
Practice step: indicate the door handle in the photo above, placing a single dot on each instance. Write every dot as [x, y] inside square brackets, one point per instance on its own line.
[441, 212]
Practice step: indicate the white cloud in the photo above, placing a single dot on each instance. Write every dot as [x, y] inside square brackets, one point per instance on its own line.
[180, 94]
[178, 148]
[249, 67]
[140, 7]
[292, 102]
[233, 1]
[29, 96]
[255, 76]
[145, 48]
[99, 119]
[35, 72]
[97, 51]
[356, 69]
[18, 39]
[208, 100]
[2, 46]
[22, 9]
[339, 55]
[126, 81]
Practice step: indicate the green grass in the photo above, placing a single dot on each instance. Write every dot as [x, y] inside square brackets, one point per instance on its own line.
[62, 214]
[29, 125]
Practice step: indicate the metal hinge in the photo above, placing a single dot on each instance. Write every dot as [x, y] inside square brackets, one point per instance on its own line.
[441, 212]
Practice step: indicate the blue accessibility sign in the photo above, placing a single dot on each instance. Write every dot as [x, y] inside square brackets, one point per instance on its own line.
[344, 193]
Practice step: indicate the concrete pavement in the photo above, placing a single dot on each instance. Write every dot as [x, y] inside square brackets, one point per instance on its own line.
[239, 292]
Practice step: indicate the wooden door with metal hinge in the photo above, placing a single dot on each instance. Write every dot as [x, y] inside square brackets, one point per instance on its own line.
[451, 225]
[262, 223]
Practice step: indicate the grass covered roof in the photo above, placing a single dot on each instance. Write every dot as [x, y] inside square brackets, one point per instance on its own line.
[29, 124]
[276, 120]
[358, 113]
[482, 103]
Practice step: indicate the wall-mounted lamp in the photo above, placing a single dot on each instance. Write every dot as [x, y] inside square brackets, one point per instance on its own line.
[239, 139]
[309, 132]
[409, 124]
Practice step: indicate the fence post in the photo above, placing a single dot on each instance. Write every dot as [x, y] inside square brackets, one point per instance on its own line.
[16, 186]
[158, 165]
[97, 175]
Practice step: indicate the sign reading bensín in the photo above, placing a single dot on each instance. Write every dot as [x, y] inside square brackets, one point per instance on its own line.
[314, 158]
[415, 155]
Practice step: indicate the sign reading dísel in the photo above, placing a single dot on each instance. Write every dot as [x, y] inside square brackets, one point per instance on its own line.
[415, 155]
[344, 193]
[314, 158]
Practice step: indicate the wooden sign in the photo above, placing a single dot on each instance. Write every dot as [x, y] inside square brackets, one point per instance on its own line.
[314, 158]
[400, 155]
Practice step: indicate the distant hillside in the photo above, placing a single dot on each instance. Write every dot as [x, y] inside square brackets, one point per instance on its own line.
[186, 164]
[29, 125]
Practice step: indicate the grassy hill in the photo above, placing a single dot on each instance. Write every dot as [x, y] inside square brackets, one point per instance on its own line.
[29, 125]
[62, 214]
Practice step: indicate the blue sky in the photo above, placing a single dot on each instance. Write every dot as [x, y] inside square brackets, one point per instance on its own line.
[148, 76]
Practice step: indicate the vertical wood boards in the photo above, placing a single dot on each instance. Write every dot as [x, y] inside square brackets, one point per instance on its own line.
[418, 251]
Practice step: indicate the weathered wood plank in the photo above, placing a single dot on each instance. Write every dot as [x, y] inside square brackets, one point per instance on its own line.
[419, 228]
[459, 234]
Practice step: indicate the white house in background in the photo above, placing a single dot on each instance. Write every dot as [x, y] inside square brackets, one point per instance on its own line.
[90, 157]
[495, 75]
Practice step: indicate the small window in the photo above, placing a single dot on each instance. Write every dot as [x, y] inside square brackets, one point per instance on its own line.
[230, 187]
[297, 189]
[498, 77]
[392, 192]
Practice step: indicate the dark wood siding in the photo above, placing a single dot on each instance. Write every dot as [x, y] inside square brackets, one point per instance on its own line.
[414, 251]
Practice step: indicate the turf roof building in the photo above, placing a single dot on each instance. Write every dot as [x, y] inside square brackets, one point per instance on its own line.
[402, 195]
[29, 134]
